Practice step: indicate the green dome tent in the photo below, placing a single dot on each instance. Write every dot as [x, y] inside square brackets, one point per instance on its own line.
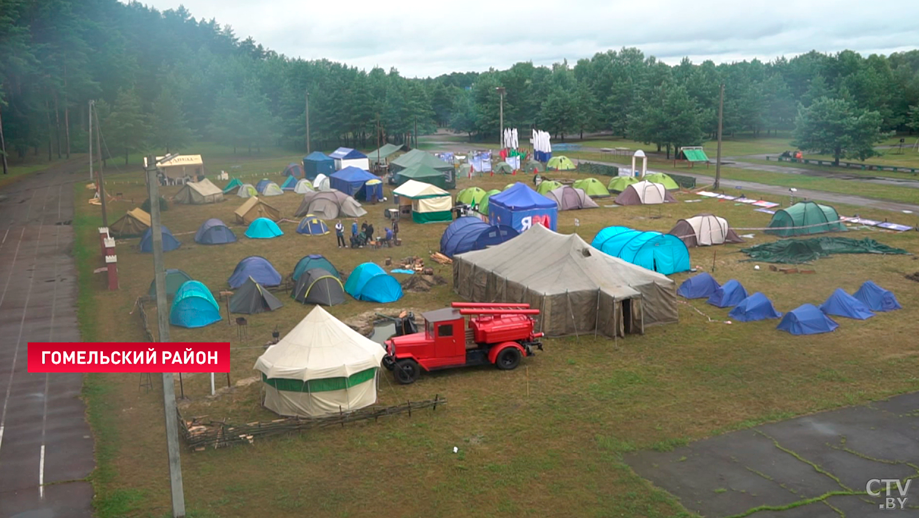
[592, 187]
[503, 168]
[560, 163]
[804, 218]
[483, 208]
[471, 196]
[621, 183]
[664, 179]
[174, 280]
[532, 166]
[546, 186]
[234, 184]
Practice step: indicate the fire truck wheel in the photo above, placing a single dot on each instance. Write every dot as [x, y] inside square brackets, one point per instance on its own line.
[406, 371]
[508, 359]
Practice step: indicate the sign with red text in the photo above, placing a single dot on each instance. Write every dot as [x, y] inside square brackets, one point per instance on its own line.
[129, 357]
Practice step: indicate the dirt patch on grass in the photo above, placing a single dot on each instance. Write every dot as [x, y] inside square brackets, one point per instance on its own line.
[419, 283]
[363, 322]
[913, 276]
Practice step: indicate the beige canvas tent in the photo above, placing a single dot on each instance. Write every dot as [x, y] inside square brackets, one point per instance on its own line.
[322, 367]
[577, 288]
[199, 192]
[645, 193]
[329, 205]
[182, 166]
[704, 230]
[255, 208]
[134, 223]
[569, 198]
[429, 203]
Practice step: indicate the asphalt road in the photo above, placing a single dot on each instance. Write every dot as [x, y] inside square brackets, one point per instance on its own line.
[46, 448]
[816, 466]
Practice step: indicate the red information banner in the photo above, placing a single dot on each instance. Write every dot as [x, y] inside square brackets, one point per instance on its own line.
[129, 357]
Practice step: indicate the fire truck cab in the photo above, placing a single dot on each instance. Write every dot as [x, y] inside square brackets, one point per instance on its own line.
[500, 334]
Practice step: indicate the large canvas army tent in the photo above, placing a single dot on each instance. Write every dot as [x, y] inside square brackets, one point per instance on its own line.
[421, 173]
[170, 243]
[134, 223]
[521, 208]
[470, 233]
[419, 157]
[358, 183]
[322, 367]
[199, 193]
[317, 163]
[644, 193]
[577, 288]
[255, 208]
[658, 252]
[214, 232]
[256, 267]
[380, 156]
[807, 320]
[569, 198]
[347, 157]
[329, 205]
[704, 230]
[430, 204]
[252, 298]
[318, 286]
[194, 306]
[804, 218]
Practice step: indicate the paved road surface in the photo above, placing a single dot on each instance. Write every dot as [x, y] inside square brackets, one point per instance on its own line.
[46, 450]
[730, 186]
[790, 462]
[909, 181]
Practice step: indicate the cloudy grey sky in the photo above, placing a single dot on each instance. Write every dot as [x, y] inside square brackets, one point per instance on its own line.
[430, 37]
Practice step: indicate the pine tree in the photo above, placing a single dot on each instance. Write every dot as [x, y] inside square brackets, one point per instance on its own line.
[125, 128]
[836, 127]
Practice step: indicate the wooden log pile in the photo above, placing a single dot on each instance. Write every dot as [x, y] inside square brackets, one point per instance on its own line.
[441, 258]
[200, 433]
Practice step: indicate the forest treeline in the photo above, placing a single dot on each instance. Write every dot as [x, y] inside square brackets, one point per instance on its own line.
[162, 80]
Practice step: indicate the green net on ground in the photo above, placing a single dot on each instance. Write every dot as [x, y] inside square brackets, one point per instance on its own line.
[795, 251]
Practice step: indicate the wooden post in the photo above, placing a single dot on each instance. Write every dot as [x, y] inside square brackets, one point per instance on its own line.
[527, 368]
[720, 123]
[714, 255]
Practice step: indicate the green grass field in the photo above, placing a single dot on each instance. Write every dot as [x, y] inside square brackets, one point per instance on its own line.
[554, 453]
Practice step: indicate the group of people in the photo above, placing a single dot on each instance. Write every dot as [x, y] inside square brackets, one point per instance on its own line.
[366, 235]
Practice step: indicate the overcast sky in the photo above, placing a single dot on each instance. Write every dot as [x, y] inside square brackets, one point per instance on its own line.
[431, 37]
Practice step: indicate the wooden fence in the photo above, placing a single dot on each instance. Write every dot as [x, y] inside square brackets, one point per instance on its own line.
[199, 434]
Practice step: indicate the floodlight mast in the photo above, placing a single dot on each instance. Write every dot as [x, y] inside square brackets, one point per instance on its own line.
[162, 320]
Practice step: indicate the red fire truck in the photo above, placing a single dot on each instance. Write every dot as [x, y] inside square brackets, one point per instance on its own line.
[498, 334]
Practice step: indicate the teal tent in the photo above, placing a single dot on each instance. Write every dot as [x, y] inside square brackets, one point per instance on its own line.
[661, 253]
[263, 228]
[369, 282]
[194, 306]
[313, 261]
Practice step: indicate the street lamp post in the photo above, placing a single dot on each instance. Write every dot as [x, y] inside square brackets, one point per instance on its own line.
[501, 91]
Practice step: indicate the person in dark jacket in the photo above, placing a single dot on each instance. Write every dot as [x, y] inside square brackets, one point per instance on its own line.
[395, 229]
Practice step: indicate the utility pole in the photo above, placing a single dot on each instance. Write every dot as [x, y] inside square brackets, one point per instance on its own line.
[415, 132]
[162, 321]
[2, 142]
[101, 171]
[718, 157]
[91, 177]
[501, 90]
[379, 165]
[308, 150]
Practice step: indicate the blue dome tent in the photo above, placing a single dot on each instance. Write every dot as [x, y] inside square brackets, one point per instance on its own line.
[256, 267]
[700, 286]
[520, 207]
[314, 261]
[290, 184]
[841, 304]
[755, 307]
[658, 252]
[876, 297]
[358, 183]
[194, 306]
[260, 186]
[470, 233]
[806, 320]
[214, 232]
[317, 163]
[263, 228]
[369, 282]
[313, 226]
[170, 243]
[731, 294]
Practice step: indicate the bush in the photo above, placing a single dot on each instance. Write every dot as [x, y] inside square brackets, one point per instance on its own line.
[164, 205]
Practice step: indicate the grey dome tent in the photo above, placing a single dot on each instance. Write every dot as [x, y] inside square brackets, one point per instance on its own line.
[704, 230]
[174, 280]
[329, 205]
[252, 298]
[569, 198]
[214, 232]
[318, 286]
